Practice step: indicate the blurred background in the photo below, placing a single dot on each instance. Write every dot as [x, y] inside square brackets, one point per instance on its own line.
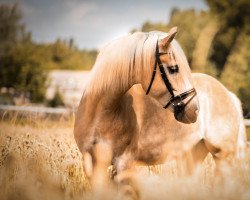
[47, 47]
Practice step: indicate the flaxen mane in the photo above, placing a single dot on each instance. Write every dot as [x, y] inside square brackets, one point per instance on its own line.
[115, 63]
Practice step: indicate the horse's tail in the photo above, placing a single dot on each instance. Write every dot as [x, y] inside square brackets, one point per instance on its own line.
[242, 138]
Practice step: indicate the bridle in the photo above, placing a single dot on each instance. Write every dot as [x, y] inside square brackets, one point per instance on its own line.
[176, 101]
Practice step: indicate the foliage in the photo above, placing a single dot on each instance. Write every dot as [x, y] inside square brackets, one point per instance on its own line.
[23, 71]
[6, 99]
[12, 30]
[200, 62]
[231, 46]
[24, 64]
[233, 13]
[232, 16]
[64, 55]
[236, 74]
[57, 100]
[20, 62]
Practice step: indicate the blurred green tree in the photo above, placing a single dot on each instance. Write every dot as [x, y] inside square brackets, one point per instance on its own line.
[57, 100]
[232, 17]
[24, 65]
[24, 71]
[236, 73]
[59, 51]
[200, 61]
[65, 55]
[231, 46]
[20, 60]
[12, 30]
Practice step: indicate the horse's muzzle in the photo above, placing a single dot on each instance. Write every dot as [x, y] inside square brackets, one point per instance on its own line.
[186, 113]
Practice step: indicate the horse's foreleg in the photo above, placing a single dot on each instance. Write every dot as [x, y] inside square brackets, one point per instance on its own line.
[102, 154]
[95, 165]
[88, 164]
[224, 156]
[125, 176]
[199, 153]
[223, 168]
[223, 161]
[188, 162]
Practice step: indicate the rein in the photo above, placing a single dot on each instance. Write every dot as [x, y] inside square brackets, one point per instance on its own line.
[176, 101]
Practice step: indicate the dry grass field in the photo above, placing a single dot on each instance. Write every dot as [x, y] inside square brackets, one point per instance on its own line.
[248, 133]
[39, 159]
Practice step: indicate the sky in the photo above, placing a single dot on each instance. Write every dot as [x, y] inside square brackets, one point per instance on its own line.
[93, 23]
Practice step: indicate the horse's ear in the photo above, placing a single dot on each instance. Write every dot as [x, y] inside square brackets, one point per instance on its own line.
[171, 35]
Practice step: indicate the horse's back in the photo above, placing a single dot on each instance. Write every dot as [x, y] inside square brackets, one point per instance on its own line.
[222, 112]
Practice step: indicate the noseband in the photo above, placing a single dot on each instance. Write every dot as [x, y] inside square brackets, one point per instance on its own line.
[176, 101]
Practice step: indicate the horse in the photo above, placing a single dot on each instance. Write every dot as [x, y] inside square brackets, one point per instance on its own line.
[104, 113]
[115, 109]
[219, 128]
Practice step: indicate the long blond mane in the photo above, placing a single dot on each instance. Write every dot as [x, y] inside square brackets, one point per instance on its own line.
[123, 59]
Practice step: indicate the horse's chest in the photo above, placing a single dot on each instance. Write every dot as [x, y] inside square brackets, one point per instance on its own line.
[118, 129]
[151, 144]
[159, 143]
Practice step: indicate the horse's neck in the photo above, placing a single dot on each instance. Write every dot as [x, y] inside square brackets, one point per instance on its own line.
[95, 108]
[105, 100]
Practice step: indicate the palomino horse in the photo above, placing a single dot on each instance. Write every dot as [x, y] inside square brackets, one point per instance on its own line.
[136, 127]
[219, 128]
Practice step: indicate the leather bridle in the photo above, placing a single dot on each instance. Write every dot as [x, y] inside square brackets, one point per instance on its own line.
[176, 101]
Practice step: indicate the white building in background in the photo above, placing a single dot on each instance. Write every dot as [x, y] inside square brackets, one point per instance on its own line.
[69, 83]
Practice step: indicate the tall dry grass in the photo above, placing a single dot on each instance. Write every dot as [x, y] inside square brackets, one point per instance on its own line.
[39, 159]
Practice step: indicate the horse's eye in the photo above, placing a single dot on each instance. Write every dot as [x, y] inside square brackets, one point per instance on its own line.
[173, 69]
